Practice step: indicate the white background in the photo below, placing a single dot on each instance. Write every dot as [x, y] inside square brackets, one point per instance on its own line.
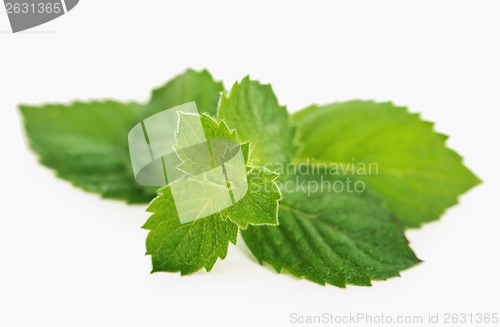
[69, 258]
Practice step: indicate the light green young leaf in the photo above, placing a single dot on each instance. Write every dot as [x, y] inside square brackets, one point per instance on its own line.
[216, 129]
[198, 137]
[328, 237]
[253, 110]
[192, 145]
[416, 175]
[86, 144]
[260, 204]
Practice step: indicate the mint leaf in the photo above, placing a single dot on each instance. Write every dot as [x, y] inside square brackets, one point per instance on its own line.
[212, 139]
[253, 110]
[189, 247]
[187, 87]
[335, 238]
[197, 244]
[192, 145]
[86, 143]
[185, 248]
[259, 206]
[417, 175]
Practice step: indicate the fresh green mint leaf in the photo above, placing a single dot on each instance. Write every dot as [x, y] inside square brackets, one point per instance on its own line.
[198, 244]
[86, 144]
[260, 204]
[216, 130]
[209, 135]
[185, 248]
[189, 247]
[336, 238]
[406, 163]
[253, 111]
